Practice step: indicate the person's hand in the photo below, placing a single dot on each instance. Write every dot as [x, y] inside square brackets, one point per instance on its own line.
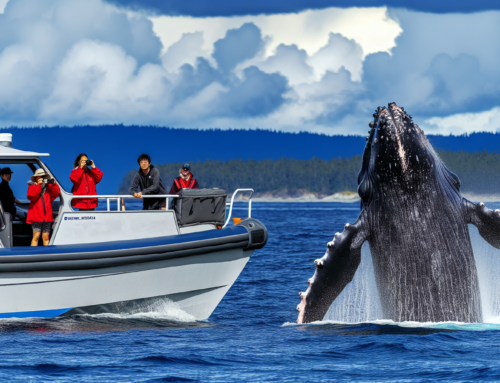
[93, 165]
[138, 195]
[40, 181]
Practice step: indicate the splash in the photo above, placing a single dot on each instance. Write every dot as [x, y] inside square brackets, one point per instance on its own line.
[360, 302]
[488, 268]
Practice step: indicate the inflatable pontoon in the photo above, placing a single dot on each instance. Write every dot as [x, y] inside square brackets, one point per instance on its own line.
[115, 261]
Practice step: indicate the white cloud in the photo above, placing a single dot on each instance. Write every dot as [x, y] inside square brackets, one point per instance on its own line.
[3, 4]
[488, 121]
[310, 30]
[338, 52]
[95, 80]
[184, 51]
[71, 62]
[443, 64]
[289, 61]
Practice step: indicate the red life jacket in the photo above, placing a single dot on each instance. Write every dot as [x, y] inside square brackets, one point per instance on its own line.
[181, 184]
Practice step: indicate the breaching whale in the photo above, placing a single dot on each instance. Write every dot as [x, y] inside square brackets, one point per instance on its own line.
[415, 221]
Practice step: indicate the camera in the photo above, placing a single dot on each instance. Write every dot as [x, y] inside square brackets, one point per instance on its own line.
[88, 162]
[49, 181]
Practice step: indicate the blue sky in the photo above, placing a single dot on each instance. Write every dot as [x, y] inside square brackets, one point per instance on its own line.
[284, 65]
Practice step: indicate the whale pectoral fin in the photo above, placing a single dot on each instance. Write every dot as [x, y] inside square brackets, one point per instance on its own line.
[486, 220]
[333, 272]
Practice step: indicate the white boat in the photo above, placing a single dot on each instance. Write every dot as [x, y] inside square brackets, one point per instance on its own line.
[115, 261]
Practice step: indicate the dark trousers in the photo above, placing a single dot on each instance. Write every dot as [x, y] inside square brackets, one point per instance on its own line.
[86, 209]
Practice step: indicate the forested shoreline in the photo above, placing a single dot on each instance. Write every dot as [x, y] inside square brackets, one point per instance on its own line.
[115, 149]
[478, 171]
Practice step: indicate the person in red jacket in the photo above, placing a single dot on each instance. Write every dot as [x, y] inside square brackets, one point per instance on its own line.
[84, 181]
[41, 194]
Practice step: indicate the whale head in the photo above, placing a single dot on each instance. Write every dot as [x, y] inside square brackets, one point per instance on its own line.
[398, 152]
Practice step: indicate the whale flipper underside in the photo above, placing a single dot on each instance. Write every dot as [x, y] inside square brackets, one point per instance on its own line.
[333, 272]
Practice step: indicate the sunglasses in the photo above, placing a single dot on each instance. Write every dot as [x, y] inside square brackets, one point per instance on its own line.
[185, 169]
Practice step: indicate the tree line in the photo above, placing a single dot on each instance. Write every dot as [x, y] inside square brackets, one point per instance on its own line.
[478, 171]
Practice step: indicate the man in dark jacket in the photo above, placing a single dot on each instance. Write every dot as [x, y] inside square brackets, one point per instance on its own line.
[184, 181]
[147, 181]
[6, 195]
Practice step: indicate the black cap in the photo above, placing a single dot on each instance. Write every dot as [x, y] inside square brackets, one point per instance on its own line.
[6, 171]
[186, 166]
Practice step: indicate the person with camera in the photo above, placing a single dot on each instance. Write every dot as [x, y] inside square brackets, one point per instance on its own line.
[85, 176]
[42, 191]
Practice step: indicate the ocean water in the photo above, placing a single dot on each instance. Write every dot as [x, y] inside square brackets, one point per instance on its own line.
[252, 337]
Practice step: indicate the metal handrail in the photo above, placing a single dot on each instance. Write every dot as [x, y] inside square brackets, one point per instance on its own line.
[232, 201]
[111, 197]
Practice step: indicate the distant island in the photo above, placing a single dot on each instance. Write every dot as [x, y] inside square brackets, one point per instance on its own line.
[318, 179]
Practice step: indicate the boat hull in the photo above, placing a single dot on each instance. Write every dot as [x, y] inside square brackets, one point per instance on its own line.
[196, 284]
[193, 270]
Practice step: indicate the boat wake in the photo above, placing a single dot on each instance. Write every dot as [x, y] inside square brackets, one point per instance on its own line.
[153, 308]
[158, 314]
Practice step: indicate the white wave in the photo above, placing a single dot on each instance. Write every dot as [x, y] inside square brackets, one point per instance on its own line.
[160, 308]
[487, 326]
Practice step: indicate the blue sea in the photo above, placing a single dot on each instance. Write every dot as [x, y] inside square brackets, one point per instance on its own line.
[252, 335]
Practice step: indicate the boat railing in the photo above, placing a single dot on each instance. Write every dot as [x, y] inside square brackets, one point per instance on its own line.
[230, 204]
[118, 199]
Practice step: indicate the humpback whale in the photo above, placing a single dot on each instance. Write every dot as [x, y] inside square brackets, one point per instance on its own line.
[415, 222]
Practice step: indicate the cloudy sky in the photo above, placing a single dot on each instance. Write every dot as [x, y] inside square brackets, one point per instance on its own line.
[316, 65]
